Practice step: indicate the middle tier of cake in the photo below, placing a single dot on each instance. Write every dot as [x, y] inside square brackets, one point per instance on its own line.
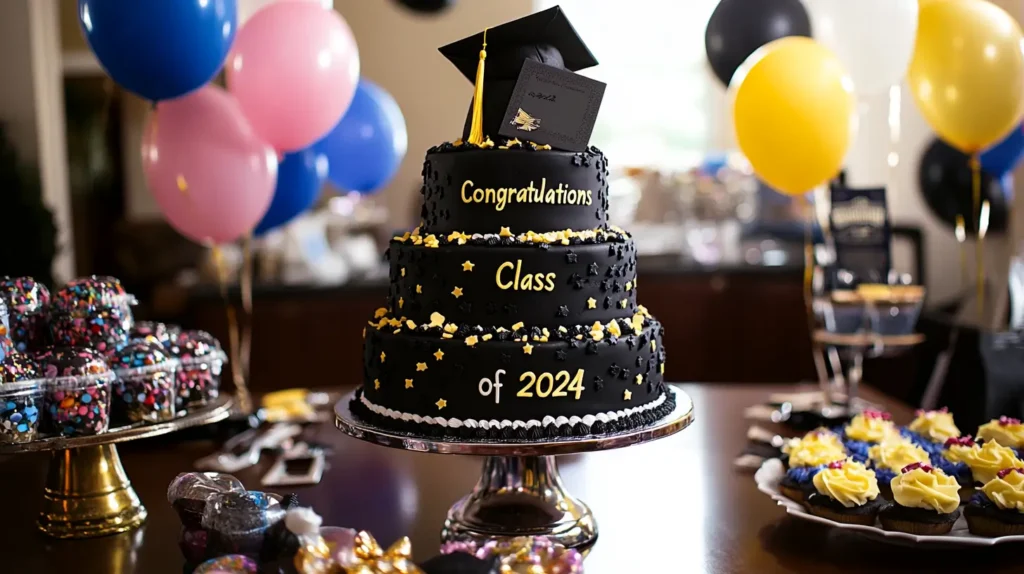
[564, 279]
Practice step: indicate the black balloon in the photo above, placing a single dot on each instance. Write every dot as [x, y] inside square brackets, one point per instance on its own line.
[427, 6]
[739, 27]
[946, 184]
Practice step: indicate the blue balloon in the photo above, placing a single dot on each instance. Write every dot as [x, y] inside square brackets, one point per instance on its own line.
[300, 177]
[1003, 157]
[366, 148]
[160, 49]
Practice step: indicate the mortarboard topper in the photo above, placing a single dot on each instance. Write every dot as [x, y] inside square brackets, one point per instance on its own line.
[495, 59]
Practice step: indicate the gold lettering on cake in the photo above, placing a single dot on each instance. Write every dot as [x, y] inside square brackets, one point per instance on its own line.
[545, 384]
[503, 196]
[527, 282]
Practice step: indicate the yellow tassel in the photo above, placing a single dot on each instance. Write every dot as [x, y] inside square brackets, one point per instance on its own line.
[476, 130]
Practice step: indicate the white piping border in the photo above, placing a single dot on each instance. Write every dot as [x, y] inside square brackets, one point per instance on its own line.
[588, 420]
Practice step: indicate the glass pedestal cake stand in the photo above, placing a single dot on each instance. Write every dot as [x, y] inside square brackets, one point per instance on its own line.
[519, 492]
[854, 347]
[87, 492]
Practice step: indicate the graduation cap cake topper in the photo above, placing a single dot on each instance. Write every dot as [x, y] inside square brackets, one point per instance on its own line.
[537, 53]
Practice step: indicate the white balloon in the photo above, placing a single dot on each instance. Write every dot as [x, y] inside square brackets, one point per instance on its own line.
[246, 8]
[873, 38]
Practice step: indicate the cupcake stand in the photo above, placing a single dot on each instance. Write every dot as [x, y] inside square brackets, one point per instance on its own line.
[519, 492]
[87, 492]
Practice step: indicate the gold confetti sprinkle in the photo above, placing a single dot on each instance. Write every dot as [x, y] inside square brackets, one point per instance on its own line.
[528, 349]
[502, 329]
[654, 344]
[376, 383]
[637, 322]
[517, 326]
[364, 332]
[661, 368]
[436, 319]
[439, 354]
[623, 303]
[591, 303]
[441, 403]
[597, 335]
[431, 241]
[579, 337]
[403, 271]
[487, 143]
[408, 383]
[410, 324]
[419, 288]
[562, 329]
[451, 328]
[468, 266]
[629, 285]
[505, 232]
[446, 335]
[397, 331]
[471, 340]
[627, 396]
[642, 310]
[421, 366]
[401, 302]
[613, 329]
[487, 337]
[457, 142]
[639, 379]
[540, 147]
[380, 313]
[457, 292]
[382, 356]
[182, 184]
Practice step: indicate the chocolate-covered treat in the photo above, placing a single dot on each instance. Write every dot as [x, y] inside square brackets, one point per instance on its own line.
[26, 301]
[96, 292]
[188, 493]
[145, 387]
[76, 392]
[202, 361]
[21, 395]
[238, 522]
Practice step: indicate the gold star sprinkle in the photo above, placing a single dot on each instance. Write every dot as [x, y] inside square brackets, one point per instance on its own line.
[643, 310]
[517, 326]
[505, 232]
[380, 313]
[441, 403]
[623, 303]
[431, 241]
[410, 324]
[637, 323]
[382, 356]
[597, 335]
[436, 319]
[457, 292]
[468, 266]
[421, 366]
[488, 143]
[639, 379]
[629, 285]
[471, 340]
[408, 383]
[451, 328]
[376, 383]
[403, 271]
[613, 329]
[528, 349]
[439, 354]
[627, 396]
[419, 288]
[401, 302]
[591, 303]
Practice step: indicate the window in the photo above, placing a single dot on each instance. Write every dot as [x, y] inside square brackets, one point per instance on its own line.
[659, 108]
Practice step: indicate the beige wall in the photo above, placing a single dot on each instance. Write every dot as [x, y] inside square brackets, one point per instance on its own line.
[17, 93]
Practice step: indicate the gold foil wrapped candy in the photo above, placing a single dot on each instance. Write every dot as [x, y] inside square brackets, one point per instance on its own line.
[368, 557]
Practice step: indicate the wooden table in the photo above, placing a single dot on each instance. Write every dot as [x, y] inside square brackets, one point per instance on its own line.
[675, 505]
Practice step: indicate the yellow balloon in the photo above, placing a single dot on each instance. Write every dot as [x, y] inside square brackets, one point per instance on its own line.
[793, 106]
[967, 73]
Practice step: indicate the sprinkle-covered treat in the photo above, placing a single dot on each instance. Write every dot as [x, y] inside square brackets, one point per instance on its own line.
[161, 332]
[95, 292]
[847, 492]
[998, 508]
[20, 398]
[77, 392]
[201, 363]
[26, 301]
[145, 387]
[100, 328]
[926, 501]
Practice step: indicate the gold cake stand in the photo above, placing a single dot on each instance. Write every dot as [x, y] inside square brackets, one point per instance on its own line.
[87, 492]
[519, 492]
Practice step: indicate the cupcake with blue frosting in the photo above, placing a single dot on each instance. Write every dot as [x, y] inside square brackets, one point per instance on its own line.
[865, 430]
[891, 456]
[998, 508]
[846, 491]
[1007, 431]
[806, 457]
[926, 501]
[931, 429]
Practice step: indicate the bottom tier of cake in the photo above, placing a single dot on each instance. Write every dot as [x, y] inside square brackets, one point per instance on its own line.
[529, 387]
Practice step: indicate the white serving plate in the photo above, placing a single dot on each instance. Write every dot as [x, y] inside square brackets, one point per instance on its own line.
[767, 478]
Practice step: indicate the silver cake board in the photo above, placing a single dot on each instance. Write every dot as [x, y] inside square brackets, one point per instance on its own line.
[519, 492]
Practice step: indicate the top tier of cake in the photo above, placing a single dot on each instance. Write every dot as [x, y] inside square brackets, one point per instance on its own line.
[480, 190]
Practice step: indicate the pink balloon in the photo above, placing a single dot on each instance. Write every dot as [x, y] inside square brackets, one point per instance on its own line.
[212, 176]
[294, 69]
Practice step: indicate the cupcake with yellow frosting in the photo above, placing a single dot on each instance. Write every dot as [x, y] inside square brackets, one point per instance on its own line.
[888, 458]
[805, 457]
[845, 491]
[931, 429]
[925, 501]
[1004, 430]
[865, 429]
[987, 460]
[998, 509]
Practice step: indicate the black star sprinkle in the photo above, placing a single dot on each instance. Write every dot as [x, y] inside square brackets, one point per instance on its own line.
[606, 285]
[650, 387]
[510, 309]
[598, 383]
[506, 358]
[592, 269]
[624, 375]
[563, 311]
[459, 368]
[573, 343]
[578, 285]
[611, 271]
[591, 348]
[607, 302]
[573, 277]
[466, 307]
[616, 287]
[561, 354]
[492, 308]
[639, 361]
[571, 257]
[614, 370]
[611, 249]
[544, 246]
[630, 341]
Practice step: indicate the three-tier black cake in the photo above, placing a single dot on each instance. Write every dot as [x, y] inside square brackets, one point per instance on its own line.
[512, 312]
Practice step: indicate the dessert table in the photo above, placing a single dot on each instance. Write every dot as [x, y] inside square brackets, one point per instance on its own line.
[674, 505]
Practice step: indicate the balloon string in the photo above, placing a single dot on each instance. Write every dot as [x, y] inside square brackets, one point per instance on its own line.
[246, 286]
[237, 373]
[816, 351]
[979, 245]
[961, 239]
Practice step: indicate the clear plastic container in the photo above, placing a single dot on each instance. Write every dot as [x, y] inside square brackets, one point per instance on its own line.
[237, 523]
[145, 394]
[19, 411]
[6, 344]
[77, 405]
[99, 328]
[188, 493]
[96, 293]
[199, 379]
[27, 301]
